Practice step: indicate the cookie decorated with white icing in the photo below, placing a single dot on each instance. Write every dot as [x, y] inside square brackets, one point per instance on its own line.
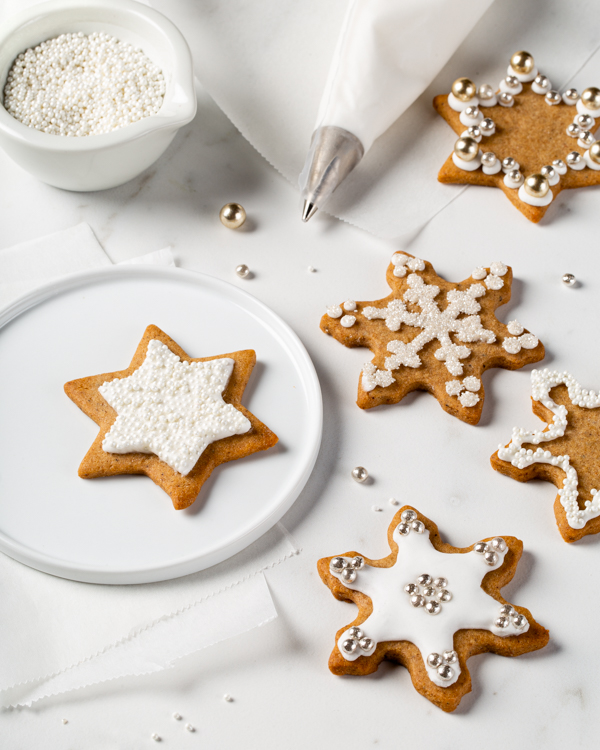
[429, 606]
[565, 452]
[433, 335]
[170, 417]
[522, 136]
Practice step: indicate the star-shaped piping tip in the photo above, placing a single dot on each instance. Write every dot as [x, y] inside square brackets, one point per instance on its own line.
[566, 452]
[170, 417]
[522, 137]
[429, 606]
[433, 335]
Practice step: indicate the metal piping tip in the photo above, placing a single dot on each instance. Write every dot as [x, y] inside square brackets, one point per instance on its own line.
[309, 210]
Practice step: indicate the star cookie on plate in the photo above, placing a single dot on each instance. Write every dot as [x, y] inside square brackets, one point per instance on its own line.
[525, 138]
[566, 452]
[429, 606]
[432, 335]
[170, 417]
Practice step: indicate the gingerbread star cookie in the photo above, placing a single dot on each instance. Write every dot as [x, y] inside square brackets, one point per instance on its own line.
[566, 452]
[525, 138]
[430, 334]
[429, 606]
[170, 417]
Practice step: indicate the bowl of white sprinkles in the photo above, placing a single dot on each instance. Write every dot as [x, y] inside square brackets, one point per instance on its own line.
[92, 91]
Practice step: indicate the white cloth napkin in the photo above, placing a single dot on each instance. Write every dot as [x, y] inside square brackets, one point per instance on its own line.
[266, 63]
[58, 635]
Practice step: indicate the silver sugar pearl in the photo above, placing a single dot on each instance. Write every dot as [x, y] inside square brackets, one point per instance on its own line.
[444, 595]
[497, 542]
[488, 159]
[403, 529]
[587, 138]
[559, 164]
[356, 633]
[515, 177]
[360, 474]
[242, 271]
[429, 591]
[450, 657]
[472, 112]
[486, 126]
[542, 81]
[417, 600]
[512, 82]
[349, 646]
[574, 157]
[553, 97]
[506, 610]
[481, 548]
[491, 558]
[348, 575]
[506, 98]
[548, 172]
[509, 164]
[474, 132]
[573, 130]
[425, 579]
[440, 582]
[502, 622]
[571, 94]
[366, 644]
[411, 589]
[357, 562]
[434, 660]
[418, 527]
[485, 91]
[445, 672]
[569, 279]
[520, 621]
[408, 515]
[433, 607]
[337, 564]
[585, 122]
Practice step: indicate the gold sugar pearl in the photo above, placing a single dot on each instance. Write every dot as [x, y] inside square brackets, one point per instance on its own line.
[594, 152]
[464, 89]
[232, 215]
[522, 62]
[591, 98]
[537, 185]
[466, 148]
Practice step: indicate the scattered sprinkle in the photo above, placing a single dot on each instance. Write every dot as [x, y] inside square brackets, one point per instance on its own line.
[65, 721]
[393, 501]
[377, 509]
[228, 698]
[190, 728]
[311, 269]
[177, 716]
[155, 737]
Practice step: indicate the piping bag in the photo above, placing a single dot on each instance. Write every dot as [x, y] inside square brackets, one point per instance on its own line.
[388, 52]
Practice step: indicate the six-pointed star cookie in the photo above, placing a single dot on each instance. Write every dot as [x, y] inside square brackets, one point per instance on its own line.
[430, 334]
[429, 606]
[532, 132]
[175, 418]
[566, 452]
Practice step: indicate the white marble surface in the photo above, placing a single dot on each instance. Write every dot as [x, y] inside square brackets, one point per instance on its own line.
[284, 695]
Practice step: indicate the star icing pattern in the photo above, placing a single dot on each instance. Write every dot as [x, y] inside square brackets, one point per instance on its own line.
[429, 332]
[532, 130]
[566, 452]
[429, 606]
[179, 375]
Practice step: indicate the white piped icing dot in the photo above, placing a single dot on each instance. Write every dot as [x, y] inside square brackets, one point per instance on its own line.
[560, 166]
[533, 200]
[471, 117]
[348, 321]
[506, 84]
[467, 166]
[514, 345]
[522, 77]
[399, 261]
[472, 383]
[515, 328]
[171, 408]
[590, 162]
[479, 273]
[468, 399]
[373, 377]
[334, 311]
[494, 282]
[454, 387]
[350, 305]
[498, 268]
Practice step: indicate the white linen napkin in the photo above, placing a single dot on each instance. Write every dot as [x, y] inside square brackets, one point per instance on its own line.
[58, 635]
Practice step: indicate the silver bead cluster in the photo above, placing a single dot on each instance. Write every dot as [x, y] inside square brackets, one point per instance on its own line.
[79, 85]
[355, 641]
[491, 550]
[346, 569]
[509, 616]
[442, 664]
[429, 593]
[409, 523]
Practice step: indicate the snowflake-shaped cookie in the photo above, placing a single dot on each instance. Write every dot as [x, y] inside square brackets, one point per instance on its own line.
[429, 606]
[522, 136]
[433, 335]
[566, 452]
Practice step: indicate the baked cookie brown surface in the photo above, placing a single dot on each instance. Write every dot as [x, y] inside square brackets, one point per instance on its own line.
[183, 488]
[566, 452]
[429, 606]
[433, 335]
[532, 132]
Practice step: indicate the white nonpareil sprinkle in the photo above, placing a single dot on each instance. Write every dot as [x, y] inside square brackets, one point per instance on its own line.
[79, 85]
[171, 408]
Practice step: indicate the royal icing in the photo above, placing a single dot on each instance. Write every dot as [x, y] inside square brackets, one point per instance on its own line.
[425, 597]
[171, 408]
[542, 382]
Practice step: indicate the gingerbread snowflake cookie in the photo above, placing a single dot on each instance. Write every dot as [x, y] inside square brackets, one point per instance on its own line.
[170, 417]
[525, 138]
[430, 334]
[429, 606]
[566, 452]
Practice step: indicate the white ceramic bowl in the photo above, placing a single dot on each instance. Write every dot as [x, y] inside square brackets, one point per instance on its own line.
[98, 162]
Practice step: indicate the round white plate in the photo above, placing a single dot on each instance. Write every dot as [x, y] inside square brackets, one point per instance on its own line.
[124, 529]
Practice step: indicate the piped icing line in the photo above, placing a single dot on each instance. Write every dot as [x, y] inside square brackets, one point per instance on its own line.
[542, 382]
[425, 597]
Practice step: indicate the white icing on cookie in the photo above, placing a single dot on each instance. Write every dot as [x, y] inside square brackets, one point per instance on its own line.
[542, 382]
[514, 345]
[591, 164]
[467, 166]
[334, 311]
[522, 77]
[171, 408]
[515, 328]
[350, 305]
[479, 273]
[348, 321]
[458, 106]
[533, 200]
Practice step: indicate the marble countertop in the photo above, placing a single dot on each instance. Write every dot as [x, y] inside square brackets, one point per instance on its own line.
[284, 694]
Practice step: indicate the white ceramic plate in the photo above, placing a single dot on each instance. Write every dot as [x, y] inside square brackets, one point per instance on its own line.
[124, 529]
